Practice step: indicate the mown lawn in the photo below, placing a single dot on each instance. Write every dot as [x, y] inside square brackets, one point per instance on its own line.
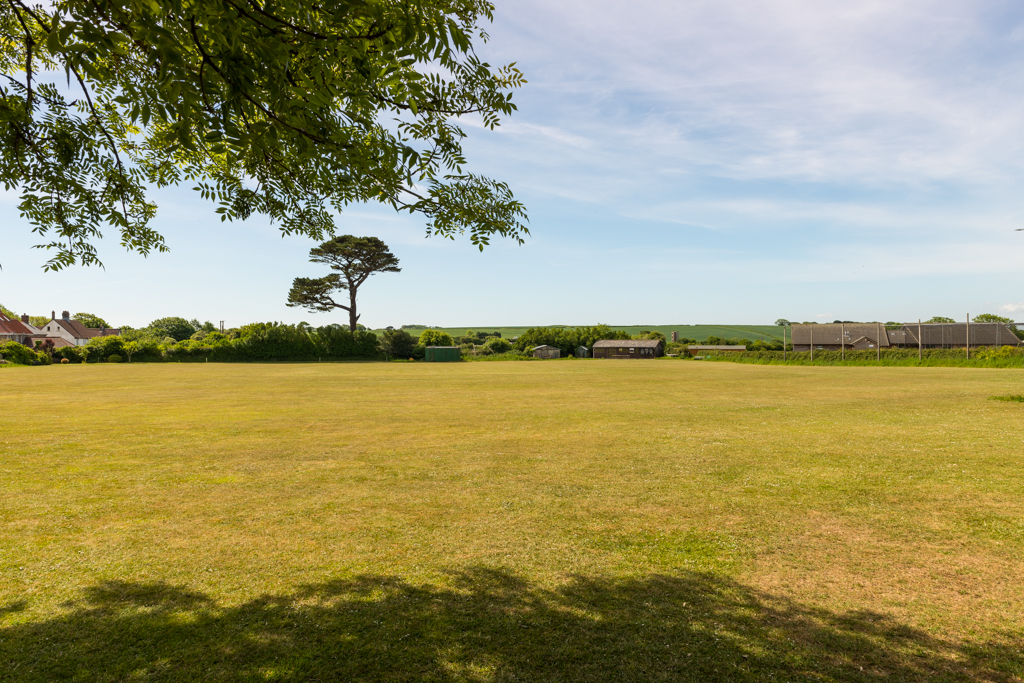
[545, 521]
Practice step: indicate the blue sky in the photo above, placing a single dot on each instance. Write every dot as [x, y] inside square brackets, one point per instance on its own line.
[682, 162]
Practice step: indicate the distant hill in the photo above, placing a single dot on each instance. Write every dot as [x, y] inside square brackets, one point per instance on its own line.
[698, 332]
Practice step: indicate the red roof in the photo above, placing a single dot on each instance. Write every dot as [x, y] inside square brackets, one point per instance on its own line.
[12, 326]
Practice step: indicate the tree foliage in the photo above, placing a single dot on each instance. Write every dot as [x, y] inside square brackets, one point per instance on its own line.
[397, 343]
[568, 339]
[292, 109]
[176, 328]
[435, 338]
[90, 320]
[940, 319]
[356, 259]
[992, 318]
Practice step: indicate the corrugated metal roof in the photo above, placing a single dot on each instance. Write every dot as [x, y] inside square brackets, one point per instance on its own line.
[628, 343]
[832, 333]
[954, 334]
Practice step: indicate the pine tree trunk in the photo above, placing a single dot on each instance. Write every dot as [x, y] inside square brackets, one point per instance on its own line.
[352, 317]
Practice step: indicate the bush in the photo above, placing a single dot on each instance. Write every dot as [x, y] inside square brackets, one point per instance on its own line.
[498, 345]
[336, 341]
[114, 358]
[71, 354]
[436, 338]
[100, 348]
[397, 344]
[18, 353]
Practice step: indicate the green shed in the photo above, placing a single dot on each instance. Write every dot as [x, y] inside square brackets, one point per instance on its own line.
[443, 354]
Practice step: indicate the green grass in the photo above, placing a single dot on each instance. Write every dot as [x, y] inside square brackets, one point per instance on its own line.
[577, 521]
[698, 332]
[1013, 398]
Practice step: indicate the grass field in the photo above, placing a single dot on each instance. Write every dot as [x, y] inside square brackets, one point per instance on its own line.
[588, 521]
[698, 332]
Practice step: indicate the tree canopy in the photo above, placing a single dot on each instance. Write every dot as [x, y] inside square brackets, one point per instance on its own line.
[940, 319]
[992, 318]
[173, 327]
[292, 109]
[356, 259]
[90, 320]
[435, 338]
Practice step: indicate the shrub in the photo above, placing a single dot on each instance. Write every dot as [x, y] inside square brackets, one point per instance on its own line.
[114, 358]
[498, 345]
[397, 344]
[18, 353]
[100, 348]
[436, 338]
[71, 354]
[336, 341]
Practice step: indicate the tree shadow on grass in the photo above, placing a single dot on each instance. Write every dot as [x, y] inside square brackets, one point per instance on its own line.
[486, 625]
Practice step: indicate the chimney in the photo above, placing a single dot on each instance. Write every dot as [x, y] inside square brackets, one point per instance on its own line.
[675, 336]
[65, 315]
[53, 315]
[24, 318]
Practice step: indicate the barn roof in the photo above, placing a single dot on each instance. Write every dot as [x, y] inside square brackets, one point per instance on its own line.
[953, 334]
[632, 343]
[832, 333]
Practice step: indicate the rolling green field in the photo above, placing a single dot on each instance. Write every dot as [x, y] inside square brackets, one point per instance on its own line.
[698, 332]
[563, 521]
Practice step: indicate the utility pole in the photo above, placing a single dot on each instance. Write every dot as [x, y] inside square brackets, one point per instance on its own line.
[968, 336]
[919, 339]
[878, 342]
[812, 343]
[783, 343]
[842, 338]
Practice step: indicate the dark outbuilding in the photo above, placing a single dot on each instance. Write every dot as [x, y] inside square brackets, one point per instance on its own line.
[629, 348]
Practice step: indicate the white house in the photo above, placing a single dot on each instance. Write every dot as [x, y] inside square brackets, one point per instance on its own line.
[67, 332]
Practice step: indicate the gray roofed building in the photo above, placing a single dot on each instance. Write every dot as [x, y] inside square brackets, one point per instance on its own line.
[628, 348]
[939, 335]
[834, 336]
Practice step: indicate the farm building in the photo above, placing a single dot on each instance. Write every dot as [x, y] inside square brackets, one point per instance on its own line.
[836, 336]
[629, 348]
[582, 352]
[863, 336]
[701, 349]
[942, 335]
[545, 351]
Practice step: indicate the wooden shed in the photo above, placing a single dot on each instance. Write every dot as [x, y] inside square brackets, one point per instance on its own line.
[629, 348]
[545, 351]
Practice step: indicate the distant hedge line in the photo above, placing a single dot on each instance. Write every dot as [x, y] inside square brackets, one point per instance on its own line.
[259, 341]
